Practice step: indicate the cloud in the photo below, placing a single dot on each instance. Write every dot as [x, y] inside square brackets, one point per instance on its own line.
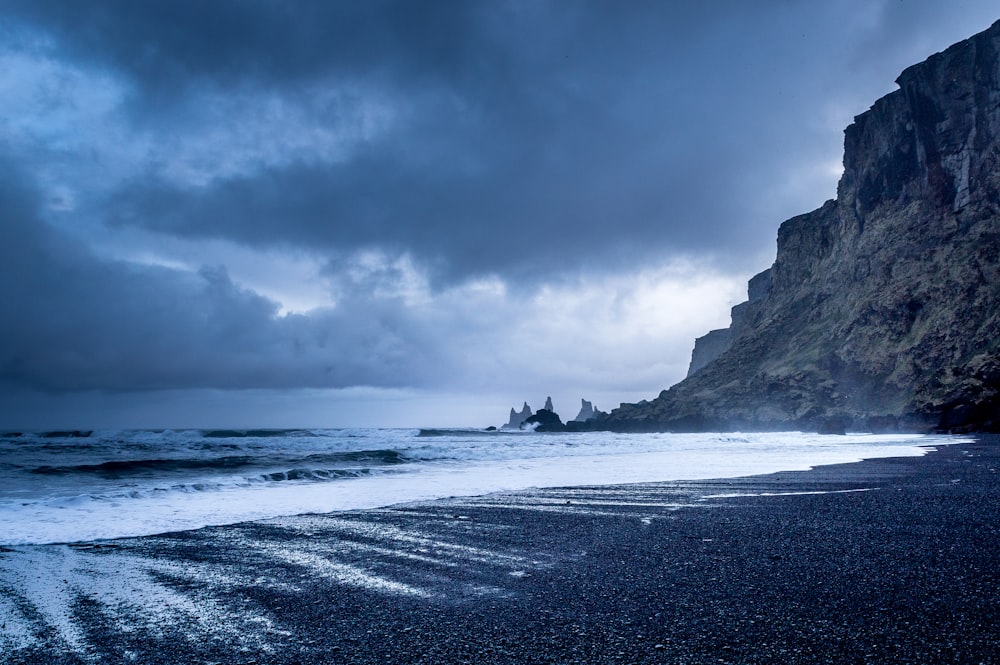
[168, 45]
[454, 197]
[521, 140]
[79, 322]
[85, 323]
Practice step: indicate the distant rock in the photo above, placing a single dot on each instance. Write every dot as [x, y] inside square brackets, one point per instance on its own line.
[545, 421]
[517, 418]
[587, 412]
[548, 405]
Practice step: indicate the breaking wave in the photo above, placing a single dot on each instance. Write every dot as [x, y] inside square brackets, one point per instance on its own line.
[72, 486]
[123, 468]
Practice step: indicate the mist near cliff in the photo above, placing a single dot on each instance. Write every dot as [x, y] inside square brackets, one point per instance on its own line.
[389, 213]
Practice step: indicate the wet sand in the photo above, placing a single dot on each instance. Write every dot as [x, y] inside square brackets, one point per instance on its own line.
[885, 561]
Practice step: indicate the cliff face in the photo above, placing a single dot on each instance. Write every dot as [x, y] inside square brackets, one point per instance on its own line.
[712, 345]
[882, 308]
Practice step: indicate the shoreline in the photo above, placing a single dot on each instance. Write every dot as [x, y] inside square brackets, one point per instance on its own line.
[884, 560]
[121, 494]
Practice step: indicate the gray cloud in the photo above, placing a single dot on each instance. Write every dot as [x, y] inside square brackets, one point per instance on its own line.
[76, 322]
[167, 46]
[581, 134]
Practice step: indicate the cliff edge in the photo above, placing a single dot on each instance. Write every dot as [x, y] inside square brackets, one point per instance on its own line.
[881, 311]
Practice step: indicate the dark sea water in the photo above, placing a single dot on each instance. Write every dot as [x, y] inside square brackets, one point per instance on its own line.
[74, 486]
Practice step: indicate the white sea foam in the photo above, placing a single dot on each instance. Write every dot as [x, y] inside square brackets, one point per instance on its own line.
[44, 584]
[116, 484]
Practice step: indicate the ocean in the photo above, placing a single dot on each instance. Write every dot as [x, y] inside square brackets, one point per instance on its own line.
[67, 487]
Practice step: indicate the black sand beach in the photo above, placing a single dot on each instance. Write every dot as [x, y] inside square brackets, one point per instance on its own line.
[886, 561]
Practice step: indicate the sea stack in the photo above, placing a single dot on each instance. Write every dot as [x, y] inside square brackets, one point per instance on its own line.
[517, 418]
[545, 420]
[586, 413]
[881, 311]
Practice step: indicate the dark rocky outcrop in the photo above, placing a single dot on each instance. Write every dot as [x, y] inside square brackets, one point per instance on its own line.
[882, 308]
[544, 420]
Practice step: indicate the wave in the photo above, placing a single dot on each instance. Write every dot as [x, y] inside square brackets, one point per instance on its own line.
[119, 468]
[315, 474]
[380, 457]
[119, 492]
[456, 432]
[253, 433]
[191, 487]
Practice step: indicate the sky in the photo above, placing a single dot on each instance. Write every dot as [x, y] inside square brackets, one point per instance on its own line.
[381, 213]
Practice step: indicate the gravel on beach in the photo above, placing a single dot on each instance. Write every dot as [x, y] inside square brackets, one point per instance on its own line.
[884, 561]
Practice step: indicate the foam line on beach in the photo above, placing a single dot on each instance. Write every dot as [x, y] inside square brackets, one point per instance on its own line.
[606, 503]
[343, 573]
[18, 631]
[43, 585]
[343, 547]
[388, 533]
[736, 495]
[375, 555]
[571, 510]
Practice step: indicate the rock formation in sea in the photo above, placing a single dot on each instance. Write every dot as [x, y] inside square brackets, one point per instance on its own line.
[882, 308]
[545, 420]
[518, 417]
[716, 342]
[548, 404]
[587, 412]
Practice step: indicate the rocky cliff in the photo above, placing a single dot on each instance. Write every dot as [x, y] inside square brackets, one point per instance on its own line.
[882, 308]
[716, 342]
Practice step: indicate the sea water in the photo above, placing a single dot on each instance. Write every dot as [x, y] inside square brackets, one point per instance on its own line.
[61, 487]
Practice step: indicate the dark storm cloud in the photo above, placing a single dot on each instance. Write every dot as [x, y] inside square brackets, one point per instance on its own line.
[532, 137]
[167, 45]
[76, 322]
[462, 223]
